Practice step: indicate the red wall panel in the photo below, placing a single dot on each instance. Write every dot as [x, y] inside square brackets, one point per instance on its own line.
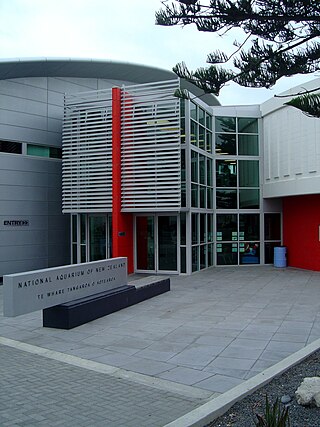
[301, 221]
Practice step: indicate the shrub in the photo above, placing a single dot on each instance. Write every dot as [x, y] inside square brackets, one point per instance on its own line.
[273, 416]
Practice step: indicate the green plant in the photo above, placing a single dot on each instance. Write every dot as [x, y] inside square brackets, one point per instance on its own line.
[273, 416]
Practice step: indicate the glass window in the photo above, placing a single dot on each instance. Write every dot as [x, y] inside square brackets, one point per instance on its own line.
[225, 143]
[226, 199]
[248, 145]
[249, 227]
[272, 226]
[227, 253]
[183, 165]
[183, 261]
[209, 198]
[97, 238]
[226, 173]
[193, 111]
[209, 141]
[249, 253]
[183, 228]
[195, 228]
[145, 242]
[225, 124]
[194, 133]
[227, 228]
[249, 173]
[167, 243]
[83, 253]
[247, 125]
[195, 258]
[201, 116]
[109, 225]
[10, 147]
[83, 229]
[202, 135]
[203, 256]
[74, 254]
[194, 166]
[183, 195]
[55, 153]
[210, 255]
[202, 167]
[183, 131]
[74, 229]
[74, 239]
[209, 172]
[182, 108]
[249, 199]
[194, 195]
[203, 191]
[209, 121]
[210, 227]
[38, 150]
[269, 251]
[202, 228]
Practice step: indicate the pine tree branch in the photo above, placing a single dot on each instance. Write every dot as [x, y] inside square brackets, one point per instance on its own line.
[304, 92]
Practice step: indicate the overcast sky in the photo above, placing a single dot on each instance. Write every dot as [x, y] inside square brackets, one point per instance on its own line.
[121, 30]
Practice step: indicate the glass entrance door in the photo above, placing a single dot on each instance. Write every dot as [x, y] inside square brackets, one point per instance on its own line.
[167, 243]
[145, 243]
[156, 243]
[97, 238]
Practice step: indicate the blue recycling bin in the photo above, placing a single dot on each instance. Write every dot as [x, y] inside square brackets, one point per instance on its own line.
[280, 256]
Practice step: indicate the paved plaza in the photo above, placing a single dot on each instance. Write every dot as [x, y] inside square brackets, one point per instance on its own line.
[153, 362]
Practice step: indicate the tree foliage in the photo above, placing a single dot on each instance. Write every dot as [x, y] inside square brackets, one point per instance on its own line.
[308, 103]
[280, 38]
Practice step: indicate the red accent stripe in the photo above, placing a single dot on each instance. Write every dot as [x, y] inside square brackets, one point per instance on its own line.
[122, 223]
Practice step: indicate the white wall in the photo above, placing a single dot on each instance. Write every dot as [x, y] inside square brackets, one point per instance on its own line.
[291, 142]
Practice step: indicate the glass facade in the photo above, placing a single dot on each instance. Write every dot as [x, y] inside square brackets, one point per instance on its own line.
[91, 237]
[238, 205]
[223, 196]
[221, 220]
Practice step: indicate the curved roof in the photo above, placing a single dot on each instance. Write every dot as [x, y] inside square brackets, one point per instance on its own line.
[91, 68]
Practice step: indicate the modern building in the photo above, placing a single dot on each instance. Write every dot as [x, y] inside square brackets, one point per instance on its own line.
[175, 185]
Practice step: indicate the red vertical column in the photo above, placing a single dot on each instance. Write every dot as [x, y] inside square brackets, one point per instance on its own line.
[122, 223]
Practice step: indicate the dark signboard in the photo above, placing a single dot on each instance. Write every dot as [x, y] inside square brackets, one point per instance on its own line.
[16, 222]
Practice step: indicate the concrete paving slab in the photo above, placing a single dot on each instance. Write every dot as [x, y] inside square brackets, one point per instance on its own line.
[184, 375]
[260, 313]
[289, 337]
[219, 383]
[230, 363]
[240, 352]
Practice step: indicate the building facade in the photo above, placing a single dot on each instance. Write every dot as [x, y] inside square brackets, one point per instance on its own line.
[100, 159]
[291, 155]
[174, 185]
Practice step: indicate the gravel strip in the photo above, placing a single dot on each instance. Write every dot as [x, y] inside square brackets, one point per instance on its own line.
[242, 414]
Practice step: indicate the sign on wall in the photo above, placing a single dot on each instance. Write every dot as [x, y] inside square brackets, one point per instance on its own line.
[39, 289]
[16, 222]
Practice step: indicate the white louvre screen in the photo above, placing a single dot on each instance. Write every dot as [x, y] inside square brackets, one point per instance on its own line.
[87, 152]
[150, 147]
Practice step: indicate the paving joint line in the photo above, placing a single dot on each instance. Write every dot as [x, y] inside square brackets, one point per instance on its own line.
[147, 380]
[217, 406]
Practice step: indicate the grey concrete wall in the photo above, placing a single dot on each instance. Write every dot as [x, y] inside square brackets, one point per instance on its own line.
[30, 190]
[31, 111]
